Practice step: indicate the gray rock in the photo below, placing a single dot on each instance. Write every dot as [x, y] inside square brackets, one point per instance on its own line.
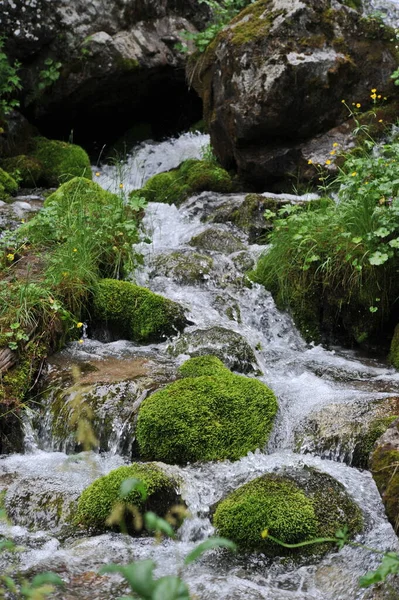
[217, 240]
[276, 76]
[185, 267]
[230, 347]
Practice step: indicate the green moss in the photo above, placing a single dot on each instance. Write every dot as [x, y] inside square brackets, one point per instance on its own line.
[362, 451]
[191, 177]
[127, 64]
[252, 23]
[355, 4]
[26, 169]
[61, 161]
[8, 185]
[207, 176]
[73, 192]
[384, 465]
[293, 507]
[135, 312]
[202, 365]
[97, 501]
[16, 382]
[206, 418]
[394, 349]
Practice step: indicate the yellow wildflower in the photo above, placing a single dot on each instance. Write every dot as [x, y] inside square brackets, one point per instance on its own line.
[373, 91]
[380, 120]
[10, 257]
[354, 174]
[358, 105]
[379, 96]
[343, 101]
[310, 162]
[79, 324]
[81, 341]
[373, 96]
[121, 186]
[335, 145]
[332, 152]
[75, 250]
[98, 173]
[328, 162]
[22, 220]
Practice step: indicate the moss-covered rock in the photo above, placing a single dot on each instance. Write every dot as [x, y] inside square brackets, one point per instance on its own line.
[8, 185]
[292, 507]
[99, 499]
[186, 267]
[229, 346]
[202, 365]
[217, 240]
[191, 177]
[136, 312]
[76, 191]
[384, 465]
[394, 349]
[26, 169]
[206, 418]
[60, 161]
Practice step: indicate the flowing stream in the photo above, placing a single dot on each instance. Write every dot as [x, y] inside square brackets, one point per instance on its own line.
[305, 379]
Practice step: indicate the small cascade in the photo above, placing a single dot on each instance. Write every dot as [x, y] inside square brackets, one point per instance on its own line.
[234, 319]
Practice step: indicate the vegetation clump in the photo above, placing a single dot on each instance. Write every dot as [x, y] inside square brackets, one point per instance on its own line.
[292, 507]
[8, 185]
[136, 312]
[192, 176]
[60, 161]
[25, 169]
[205, 417]
[334, 268]
[97, 502]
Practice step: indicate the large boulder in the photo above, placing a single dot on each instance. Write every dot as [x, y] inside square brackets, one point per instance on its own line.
[277, 75]
[384, 467]
[94, 57]
[292, 506]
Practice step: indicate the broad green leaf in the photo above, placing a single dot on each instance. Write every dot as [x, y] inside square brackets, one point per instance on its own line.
[139, 576]
[209, 544]
[389, 566]
[44, 578]
[130, 484]
[170, 588]
[357, 240]
[378, 258]
[382, 232]
[394, 243]
[155, 523]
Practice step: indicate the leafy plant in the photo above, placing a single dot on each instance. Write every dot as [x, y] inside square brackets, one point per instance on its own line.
[222, 11]
[10, 82]
[50, 74]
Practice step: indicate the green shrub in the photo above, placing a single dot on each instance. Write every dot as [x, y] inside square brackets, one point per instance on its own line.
[10, 83]
[98, 500]
[61, 161]
[202, 365]
[8, 185]
[25, 169]
[136, 312]
[292, 507]
[206, 418]
[191, 177]
[335, 268]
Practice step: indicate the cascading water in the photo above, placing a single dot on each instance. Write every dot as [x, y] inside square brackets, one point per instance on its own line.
[304, 378]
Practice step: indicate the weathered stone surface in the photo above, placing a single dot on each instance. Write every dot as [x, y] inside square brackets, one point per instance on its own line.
[230, 347]
[277, 75]
[112, 55]
[384, 463]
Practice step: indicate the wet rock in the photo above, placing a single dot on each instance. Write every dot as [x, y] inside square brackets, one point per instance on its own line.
[231, 347]
[292, 506]
[183, 266]
[347, 432]
[384, 463]
[276, 76]
[105, 393]
[41, 503]
[217, 240]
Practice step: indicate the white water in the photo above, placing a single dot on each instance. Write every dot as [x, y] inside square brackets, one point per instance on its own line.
[303, 377]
